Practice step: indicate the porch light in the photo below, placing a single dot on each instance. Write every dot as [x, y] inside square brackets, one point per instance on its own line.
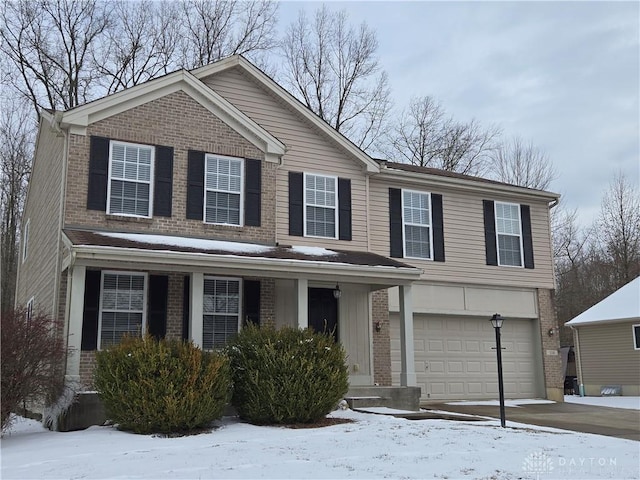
[497, 321]
[337, 293]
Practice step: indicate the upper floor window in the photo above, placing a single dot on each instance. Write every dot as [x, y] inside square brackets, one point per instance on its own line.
[416, 218]
[509, 234]
[416, 225]
[221, 311]
[122, 306]
[320, 199]
[130, 179]
[25, 241]
[223, 190]
[636, 337]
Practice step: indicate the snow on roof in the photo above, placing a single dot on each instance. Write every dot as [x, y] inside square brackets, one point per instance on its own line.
[185, 242]
[314, 251]
[622, 304]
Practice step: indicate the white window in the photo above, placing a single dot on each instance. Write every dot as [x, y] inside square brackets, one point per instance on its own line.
[30, 304]
[416, 219]
[221, 311]
[122, 306]
[320, 200]
[25, 241]
[130, 179]
[509, 234]
[636, 337]
[223, 190]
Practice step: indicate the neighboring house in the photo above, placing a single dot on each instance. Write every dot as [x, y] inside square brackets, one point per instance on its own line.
[607, 342]
[196, 202]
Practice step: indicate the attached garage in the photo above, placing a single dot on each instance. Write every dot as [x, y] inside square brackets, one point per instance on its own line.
[455, 357]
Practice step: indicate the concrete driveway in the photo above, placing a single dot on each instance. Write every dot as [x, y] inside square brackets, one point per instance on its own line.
[613, 422]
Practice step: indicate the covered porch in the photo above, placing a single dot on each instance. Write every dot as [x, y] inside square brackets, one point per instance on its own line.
[331, 290]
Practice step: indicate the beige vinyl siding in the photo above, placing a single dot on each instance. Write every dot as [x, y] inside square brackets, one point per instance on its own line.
[37, 276]
[607, 356]
[308, 150]
[465, 258]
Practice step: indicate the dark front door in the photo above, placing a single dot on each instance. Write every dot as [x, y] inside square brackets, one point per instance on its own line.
[323, 311]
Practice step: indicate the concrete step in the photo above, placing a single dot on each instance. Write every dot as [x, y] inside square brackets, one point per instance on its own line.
[365, 401]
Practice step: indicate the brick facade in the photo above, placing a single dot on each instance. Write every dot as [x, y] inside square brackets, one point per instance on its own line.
[381, 339]
[180, 122]
[552, 362]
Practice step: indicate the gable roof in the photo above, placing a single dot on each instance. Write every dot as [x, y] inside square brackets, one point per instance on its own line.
[281, 93]
[623, 304]
[77, 119]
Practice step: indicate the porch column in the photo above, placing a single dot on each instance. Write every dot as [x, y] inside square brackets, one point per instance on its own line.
[302, 294]
[197, 297]
[75, 314]
[407, 363]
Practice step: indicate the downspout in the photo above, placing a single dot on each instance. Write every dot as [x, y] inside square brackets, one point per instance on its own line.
[55, 126]
[578, 358]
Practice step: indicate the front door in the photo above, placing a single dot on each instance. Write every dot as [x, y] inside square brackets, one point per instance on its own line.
[323, 311]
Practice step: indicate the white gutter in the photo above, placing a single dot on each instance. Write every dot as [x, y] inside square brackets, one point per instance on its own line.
[576, 336]
[273, 267]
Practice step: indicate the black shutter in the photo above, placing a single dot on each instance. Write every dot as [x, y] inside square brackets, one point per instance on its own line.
[98, 173]
[91, 310]
[195, 185]
[344, 209]
[158, 295]
[186, 302]
[395, 222]
[490, 232]
[252, 192]
[251, 297]
[163, 182]
[438, 227]
[296, 205]
[527, 241]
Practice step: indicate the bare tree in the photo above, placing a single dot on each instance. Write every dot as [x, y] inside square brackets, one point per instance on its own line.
[523, 164]
[49, 43]
[142, 45]
[216, 28]
[618, 228]
[426, 137]
[333, 68]
[17, 133]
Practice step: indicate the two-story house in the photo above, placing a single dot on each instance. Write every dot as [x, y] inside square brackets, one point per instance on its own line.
[199, 201]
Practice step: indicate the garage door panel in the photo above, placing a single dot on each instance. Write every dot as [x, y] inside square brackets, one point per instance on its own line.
[456, 357]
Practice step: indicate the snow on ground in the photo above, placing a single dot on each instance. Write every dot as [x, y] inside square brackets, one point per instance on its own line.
[374, 446]
[632, 403]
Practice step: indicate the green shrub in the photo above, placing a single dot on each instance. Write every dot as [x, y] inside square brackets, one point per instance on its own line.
[287, 375]
[162, 386]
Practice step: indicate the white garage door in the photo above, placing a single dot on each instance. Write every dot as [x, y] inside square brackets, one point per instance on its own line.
[455, 357]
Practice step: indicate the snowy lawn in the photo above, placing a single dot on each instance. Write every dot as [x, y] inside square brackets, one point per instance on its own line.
[632, 403]
[373, 446]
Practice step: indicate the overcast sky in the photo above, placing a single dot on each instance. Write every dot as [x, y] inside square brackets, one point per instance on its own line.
[563, 75]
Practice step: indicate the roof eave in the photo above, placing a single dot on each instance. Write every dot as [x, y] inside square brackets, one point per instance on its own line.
[469, 184]
[248, 265]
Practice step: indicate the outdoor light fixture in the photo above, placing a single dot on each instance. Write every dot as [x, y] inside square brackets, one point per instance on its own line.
[551, 332]
[337, 293]
[497, 321]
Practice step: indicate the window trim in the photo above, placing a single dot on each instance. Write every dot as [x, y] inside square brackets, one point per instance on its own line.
[240, 302]
[25, 240]
[404, 224]
[520, 235]
[145, 275]
[30, 305]
[242, 188]
[151, 178]
[335, 207]
[636, 336]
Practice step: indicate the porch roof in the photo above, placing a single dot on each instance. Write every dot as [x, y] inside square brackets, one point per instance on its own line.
[166, 252]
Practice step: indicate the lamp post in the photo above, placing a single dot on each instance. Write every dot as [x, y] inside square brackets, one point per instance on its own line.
[496, 321]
